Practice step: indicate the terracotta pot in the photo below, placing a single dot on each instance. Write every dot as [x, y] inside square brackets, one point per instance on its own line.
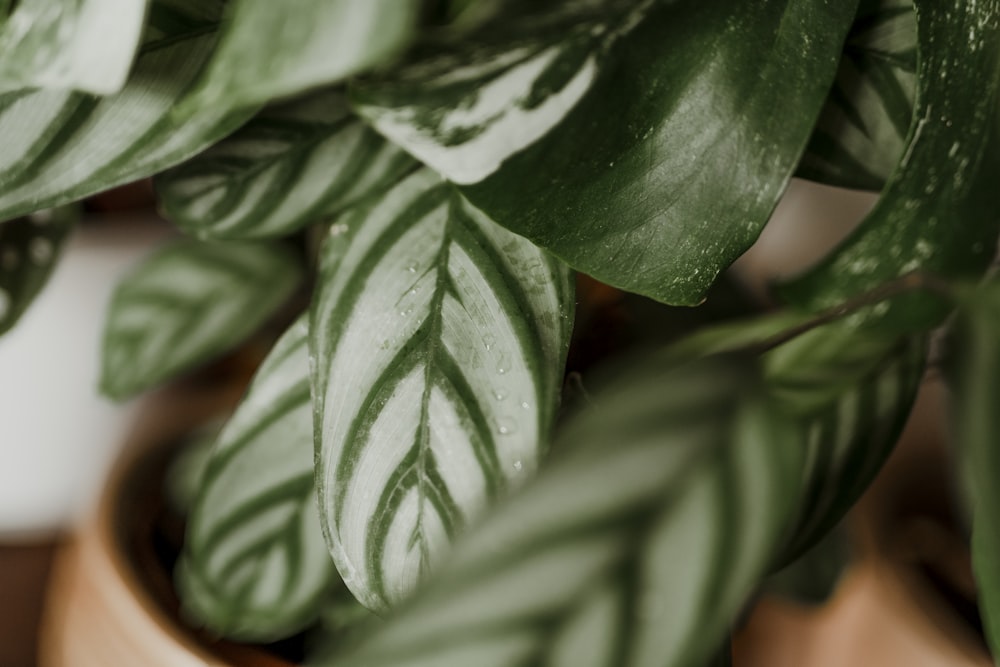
[110, 601]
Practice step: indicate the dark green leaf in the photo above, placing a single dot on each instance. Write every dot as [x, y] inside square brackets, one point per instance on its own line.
[255, 566]
[938, 213]
[637, 547]
[29, 250]
[862, 131]
[813, 577]
[974, 370]
[439, 340]
[644, 149]
[188, 303]
[308, 43]
[285, 168]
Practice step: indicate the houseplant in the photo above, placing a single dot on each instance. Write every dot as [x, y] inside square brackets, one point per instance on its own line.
[438, 167]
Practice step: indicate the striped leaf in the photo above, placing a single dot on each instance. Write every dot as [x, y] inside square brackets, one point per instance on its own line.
[439, 341]
[29, 249]
[862, 131]
[188, 303]
[289, 165]
[255, 566]
[973, 372]
[309, 43]
[86, 45]
[465, 109]
[854, 389]
[61, 146]
[937, 213]
[637, 547]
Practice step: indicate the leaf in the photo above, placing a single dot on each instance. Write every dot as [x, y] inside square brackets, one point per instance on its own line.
[812, 578]
[937, 214]
[285, 168]
[60, 147]
[176, 17]
[637, 547]
[255, 567]
[644, 150]
[188, 303]
[971, 370]
[862, 131]
[854, 389]
[309, 43]
[29, 250]
[439, 340]
[86, 45]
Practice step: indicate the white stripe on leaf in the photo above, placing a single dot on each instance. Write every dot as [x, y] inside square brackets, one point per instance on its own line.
[291, 164]
[439, 341]
[256, 513]
[637, 547]
[188, 303]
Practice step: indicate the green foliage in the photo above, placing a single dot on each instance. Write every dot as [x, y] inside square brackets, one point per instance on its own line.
[442, 164]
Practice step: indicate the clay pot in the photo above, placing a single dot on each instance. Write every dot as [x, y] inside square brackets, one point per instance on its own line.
[110, 601]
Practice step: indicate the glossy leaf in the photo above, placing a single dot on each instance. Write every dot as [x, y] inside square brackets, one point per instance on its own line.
[672, 157]
[974, 377]
[86, 45]
[255, 566]
[937, 214]
[862, 131]
[854, 390]
[59, 146]
[29, 250]
[439, 340]
[309, 43]
[188, 303]
[285, 168]
[637, 546]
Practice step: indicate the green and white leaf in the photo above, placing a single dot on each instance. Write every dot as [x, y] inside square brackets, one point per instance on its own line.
[255, 566]
[189, 302]
[974, 377]
[862, 131]
[637, 547]
[439, 341]
[290, 165]
[62, 146]
[29, 250]
[854, 390]
[86, 45]
[672, 158]
[937, 214]
[309, 43]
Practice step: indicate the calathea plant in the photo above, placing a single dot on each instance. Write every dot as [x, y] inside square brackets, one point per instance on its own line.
[455, 161]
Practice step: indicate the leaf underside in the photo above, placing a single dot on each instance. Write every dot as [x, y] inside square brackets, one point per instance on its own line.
[188, 303]
[439, 341]
[255, 566]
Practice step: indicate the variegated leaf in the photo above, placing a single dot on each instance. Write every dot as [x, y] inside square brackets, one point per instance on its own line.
[854, 389]
[973, 369]
[187, 303]
[86, 45]
[29, 249]
[636, 547]
[309, 43]
[464, 109]
[641, 144]
[862, 131]
[61, 146]
[439, 341]
[937, 214]
[289, 165]
[255, 566]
